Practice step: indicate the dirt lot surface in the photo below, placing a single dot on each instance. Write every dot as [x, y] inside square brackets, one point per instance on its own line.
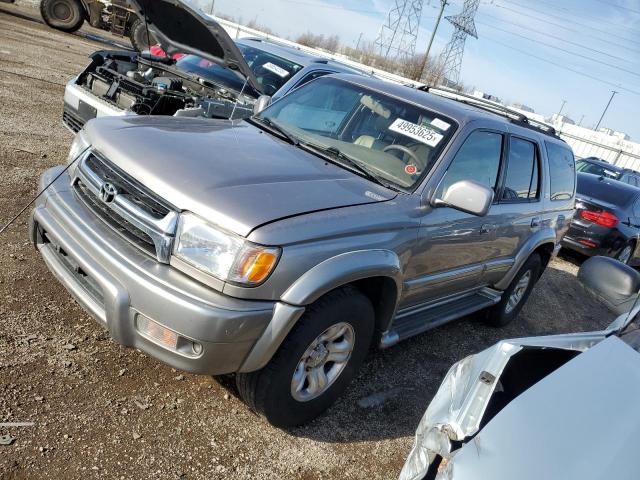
[104, 411]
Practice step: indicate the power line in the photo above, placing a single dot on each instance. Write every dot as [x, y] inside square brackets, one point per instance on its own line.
[550, 45]
[524, 27]
[619, 6]
[587, 17]
[573, 22]
[559, 65]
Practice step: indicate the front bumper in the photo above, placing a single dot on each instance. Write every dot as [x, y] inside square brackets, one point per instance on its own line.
[115, 282]
[80, 106]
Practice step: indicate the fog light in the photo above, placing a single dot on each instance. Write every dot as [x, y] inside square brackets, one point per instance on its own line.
[159, 333]
[196, 347]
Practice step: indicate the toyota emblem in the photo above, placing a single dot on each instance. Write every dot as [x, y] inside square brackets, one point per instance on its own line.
[108, 192]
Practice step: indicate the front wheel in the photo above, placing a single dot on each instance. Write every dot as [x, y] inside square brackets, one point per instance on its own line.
[315, 363]
[516, 295]
[65, 15]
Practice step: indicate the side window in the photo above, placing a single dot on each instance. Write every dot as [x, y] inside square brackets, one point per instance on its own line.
[562, 168]
[522, 178]
[478, 159]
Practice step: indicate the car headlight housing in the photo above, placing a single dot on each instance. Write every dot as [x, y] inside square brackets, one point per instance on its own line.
[221, 254]
[79, 145]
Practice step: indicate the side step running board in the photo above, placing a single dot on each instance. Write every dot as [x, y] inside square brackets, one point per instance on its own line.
[420, 319]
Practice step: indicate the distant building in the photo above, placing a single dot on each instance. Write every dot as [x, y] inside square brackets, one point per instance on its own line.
[523, 107]
[560, 119]
[612, 133]
[485, 96]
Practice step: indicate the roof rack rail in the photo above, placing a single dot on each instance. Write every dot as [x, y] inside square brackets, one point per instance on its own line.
[512, 115]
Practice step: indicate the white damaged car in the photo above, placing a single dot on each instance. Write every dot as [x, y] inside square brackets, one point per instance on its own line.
[555, 407]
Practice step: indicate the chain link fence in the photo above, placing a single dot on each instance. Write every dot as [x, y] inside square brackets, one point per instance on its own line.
[583, 147]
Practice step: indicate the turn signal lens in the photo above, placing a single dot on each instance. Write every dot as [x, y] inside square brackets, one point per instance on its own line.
[256, 265]
[605, 219]
[157, 332]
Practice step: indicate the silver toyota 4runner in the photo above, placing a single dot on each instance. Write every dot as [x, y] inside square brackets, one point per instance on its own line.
[351, 213]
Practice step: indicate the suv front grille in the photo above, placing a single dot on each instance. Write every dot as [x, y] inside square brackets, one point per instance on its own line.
[132, 211]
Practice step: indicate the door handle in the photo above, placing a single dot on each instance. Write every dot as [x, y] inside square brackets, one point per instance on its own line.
[487, 228]
[535, 222]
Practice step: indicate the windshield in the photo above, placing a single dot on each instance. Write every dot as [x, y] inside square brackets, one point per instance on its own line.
[391, 138]
[271, 71]
[596, 169]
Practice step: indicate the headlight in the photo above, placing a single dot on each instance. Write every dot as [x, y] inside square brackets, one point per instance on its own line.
[221, 254]
[78, 147]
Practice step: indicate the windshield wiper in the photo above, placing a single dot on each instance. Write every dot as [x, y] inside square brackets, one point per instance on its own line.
[271, 125]
[351, 162]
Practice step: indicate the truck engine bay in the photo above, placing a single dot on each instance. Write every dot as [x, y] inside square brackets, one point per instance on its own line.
[148, 85]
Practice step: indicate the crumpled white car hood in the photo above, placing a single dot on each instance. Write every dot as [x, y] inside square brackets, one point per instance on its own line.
[460, 403]
[580, 422]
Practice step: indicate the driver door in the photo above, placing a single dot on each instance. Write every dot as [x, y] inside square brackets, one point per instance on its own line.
[454, 246]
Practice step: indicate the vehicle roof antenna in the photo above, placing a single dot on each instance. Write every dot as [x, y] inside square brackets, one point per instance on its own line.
[246, 80]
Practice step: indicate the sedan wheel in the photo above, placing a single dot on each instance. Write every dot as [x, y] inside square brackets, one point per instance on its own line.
[625, 254]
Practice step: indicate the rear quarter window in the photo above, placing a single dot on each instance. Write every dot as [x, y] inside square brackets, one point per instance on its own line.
[562, 171]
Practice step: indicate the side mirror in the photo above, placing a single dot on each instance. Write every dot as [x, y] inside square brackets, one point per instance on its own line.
[467, 196]
[262, 102]
[610, 281]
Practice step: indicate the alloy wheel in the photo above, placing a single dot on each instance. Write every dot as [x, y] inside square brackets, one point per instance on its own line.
[322, 362]
[518, 292]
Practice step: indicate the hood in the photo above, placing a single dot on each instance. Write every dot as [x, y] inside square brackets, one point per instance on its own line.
[456, 411]
[230, 173]
[581, 421]
[180, 28]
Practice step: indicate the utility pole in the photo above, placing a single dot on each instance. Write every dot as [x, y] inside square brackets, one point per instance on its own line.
[359, 38]
[211, 9]
[581, 119]
[564, 102]
[613, 94]
[443, 3]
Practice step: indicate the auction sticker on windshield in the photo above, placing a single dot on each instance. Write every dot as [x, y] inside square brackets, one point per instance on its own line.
[417, 132]
[281, 72]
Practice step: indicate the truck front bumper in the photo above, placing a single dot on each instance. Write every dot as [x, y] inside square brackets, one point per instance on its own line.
[122, 288]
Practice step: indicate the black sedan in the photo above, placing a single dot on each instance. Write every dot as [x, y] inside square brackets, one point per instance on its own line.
[602, 168]
[607, 219]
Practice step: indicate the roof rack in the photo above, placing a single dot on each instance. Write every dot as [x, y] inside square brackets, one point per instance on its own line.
[493, 107]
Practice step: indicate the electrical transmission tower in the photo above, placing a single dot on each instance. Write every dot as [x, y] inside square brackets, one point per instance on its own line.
[451, 57]
[398, 35]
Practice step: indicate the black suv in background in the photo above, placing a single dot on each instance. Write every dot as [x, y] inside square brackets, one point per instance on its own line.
[607, 219]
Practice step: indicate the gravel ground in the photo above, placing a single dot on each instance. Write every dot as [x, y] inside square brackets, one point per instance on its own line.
[104, 411]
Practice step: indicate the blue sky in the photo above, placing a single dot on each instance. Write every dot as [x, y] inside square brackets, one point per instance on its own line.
[535, 52]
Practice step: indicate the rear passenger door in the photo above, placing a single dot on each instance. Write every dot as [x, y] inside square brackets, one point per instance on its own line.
[519, 210]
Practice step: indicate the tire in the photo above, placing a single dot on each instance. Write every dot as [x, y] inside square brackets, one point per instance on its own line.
[138, 36]
[65, 15]
[622, 254]
[270, 391]
[504, 312]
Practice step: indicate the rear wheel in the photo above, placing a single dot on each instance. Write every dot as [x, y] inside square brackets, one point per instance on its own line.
[65, 15]
[516, 295]
[141, 39]
[315, 363]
